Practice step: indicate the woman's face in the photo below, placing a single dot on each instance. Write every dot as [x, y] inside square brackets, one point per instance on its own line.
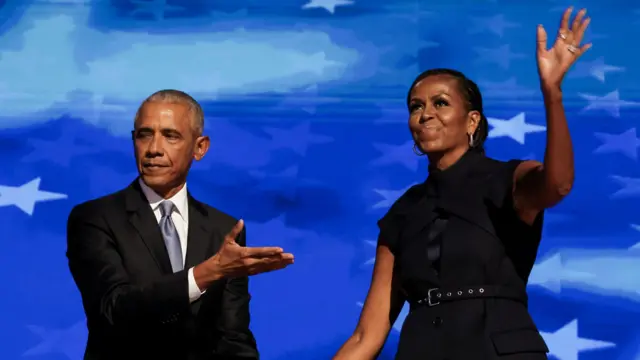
[439, 120]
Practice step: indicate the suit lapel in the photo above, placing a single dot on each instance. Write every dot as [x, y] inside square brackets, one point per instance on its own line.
[200, 233]
[142, 218]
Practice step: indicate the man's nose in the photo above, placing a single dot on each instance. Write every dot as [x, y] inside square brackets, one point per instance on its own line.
[155, 147]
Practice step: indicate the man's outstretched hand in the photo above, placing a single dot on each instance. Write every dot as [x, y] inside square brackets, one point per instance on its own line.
[233, 260]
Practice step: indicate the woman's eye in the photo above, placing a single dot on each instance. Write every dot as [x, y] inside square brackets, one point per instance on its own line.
[440, 103]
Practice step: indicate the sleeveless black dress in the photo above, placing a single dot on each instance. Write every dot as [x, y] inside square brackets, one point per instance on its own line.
[463, 258]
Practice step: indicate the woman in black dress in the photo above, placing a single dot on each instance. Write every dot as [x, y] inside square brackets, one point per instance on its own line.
[459, 247]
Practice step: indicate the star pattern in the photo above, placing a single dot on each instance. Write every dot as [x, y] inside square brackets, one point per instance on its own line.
[397, 154]
[630, 186]
[59, 151]
[370, 244]
[626, 143]
[565, 344]
[500, 56]
[305, 106]
[505, 89]
[69, 342]
[515, 128]
[496, 24]
[390, 196]
[329, 5]
[26, 196]
[298, 138]
[597, 69]
[610, 103]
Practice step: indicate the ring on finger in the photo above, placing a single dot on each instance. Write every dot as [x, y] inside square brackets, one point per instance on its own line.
[562, 36]
[572, 49]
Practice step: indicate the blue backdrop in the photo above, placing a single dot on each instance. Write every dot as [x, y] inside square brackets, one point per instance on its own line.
[304, 103]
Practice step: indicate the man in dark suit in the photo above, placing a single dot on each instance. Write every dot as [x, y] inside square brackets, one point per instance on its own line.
[162, 275]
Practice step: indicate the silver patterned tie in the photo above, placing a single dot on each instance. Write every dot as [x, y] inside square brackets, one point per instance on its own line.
[170, 235]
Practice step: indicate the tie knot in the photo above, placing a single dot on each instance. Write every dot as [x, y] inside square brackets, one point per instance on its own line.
[165, 208]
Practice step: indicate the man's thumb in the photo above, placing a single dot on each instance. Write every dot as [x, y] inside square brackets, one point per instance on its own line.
[235, 231]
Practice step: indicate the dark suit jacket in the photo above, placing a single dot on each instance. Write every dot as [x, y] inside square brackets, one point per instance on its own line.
[136, 307]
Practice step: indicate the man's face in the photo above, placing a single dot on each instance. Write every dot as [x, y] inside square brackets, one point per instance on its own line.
[165, 144]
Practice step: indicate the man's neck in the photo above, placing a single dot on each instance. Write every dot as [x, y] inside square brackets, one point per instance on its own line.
[166, 192]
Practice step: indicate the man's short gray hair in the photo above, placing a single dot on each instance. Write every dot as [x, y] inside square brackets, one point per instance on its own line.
[178, 97]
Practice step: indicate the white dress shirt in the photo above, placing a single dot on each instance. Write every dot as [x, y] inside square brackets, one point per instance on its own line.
[180, 217]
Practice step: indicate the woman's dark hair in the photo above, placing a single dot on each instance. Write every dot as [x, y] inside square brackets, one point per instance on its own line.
[471, 92]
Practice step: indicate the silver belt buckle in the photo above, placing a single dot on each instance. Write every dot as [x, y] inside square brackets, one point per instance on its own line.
[431, 302]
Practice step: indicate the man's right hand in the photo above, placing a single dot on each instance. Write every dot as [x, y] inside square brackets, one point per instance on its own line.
[233, 260]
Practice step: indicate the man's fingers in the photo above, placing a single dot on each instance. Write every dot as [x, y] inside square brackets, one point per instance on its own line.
[259, 252]
[286, 256]
[274, 262]
[271, 264]
[235, 231]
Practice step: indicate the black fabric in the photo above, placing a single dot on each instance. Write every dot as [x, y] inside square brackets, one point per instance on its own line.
[434, 242]
[459, 230]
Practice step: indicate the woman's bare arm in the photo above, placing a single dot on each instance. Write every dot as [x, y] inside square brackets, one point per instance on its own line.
[540, 186]
[381, 308]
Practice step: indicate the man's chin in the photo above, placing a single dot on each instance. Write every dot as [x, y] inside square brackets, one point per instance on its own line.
[153, 180]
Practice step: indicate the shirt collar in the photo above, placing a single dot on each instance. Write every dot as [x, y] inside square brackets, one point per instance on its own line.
[179, 199]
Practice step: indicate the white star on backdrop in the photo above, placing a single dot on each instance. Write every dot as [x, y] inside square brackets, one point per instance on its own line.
[372, 260]
[626, 143]
[390, 196]
[412, 12]
[69, 342]
[298, 138]
[496, 24]
[516, 128]
[307, 100]
[565, 344]
[630, 186]
[60, 151]
[329, 5]
[397, 154]
[500, 56]
[505, 89]
[597, 69]
[610, 103]
[26, 196]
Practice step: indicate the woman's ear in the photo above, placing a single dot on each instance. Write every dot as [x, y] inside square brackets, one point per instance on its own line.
[473, 121]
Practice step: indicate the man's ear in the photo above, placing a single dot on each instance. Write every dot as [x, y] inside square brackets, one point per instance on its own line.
[201, 147]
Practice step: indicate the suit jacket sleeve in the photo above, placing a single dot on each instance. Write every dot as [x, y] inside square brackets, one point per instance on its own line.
[99, 273]
[236, 339]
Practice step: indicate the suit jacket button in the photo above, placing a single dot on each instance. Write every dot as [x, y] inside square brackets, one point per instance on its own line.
[437, 321]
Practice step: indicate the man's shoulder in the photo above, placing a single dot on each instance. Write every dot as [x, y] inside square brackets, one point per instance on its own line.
[100, 205]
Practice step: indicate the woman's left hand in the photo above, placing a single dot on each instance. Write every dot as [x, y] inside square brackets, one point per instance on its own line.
[554, 63]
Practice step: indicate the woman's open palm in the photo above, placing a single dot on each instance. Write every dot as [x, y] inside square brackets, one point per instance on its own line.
[554, 63]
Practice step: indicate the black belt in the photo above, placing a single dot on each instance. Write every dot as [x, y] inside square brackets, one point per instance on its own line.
[436, 296]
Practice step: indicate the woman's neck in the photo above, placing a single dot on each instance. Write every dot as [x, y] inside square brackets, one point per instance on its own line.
[443, 160]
